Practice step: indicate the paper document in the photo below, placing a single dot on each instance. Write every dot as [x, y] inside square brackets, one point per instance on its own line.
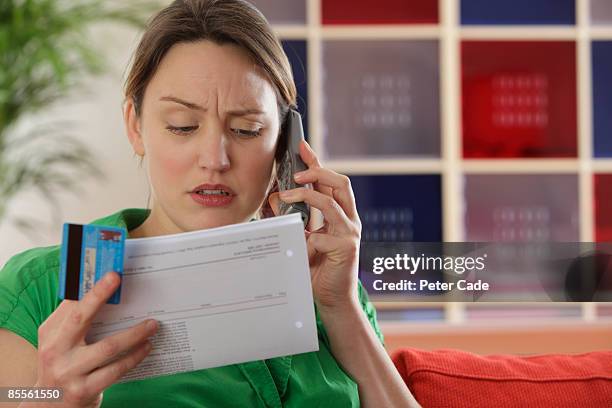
[222, 296]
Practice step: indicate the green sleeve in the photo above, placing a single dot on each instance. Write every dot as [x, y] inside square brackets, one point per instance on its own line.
[28, 291]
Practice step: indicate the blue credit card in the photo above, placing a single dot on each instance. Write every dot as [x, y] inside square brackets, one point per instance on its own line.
[88, 253]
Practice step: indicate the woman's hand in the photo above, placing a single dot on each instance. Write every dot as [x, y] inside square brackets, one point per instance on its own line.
[333, 252]
[333, 249]
[83, 371]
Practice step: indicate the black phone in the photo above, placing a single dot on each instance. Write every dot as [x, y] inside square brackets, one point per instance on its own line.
[289, 162]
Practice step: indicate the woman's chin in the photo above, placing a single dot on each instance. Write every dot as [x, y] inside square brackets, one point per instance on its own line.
[218, 221]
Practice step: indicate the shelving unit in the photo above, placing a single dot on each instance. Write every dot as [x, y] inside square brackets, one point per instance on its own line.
[361, 45]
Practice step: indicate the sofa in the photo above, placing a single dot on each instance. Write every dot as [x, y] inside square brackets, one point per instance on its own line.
[567, 365]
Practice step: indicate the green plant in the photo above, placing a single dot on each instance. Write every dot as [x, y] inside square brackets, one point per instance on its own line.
[45, 53]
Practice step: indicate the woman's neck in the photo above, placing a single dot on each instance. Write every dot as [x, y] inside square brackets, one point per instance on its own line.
[157, 224]
[140, 231]
[152, 226]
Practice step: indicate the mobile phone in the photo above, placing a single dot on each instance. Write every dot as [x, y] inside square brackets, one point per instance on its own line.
[289, 162]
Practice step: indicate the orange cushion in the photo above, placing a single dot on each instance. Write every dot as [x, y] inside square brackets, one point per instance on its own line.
[452, 378]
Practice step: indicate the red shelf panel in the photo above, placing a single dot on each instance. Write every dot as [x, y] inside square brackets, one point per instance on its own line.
[519, 99]
[379, 12]
[603, 207]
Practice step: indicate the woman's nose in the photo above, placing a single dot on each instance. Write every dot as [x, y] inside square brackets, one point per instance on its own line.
[213, 151]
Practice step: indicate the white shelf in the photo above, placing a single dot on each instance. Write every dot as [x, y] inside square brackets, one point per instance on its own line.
[534, 33]
[601, 33]
[415, 32]
[451, 166]
[379, 32]
[602, 165]
[386, 166]
[520, 166]
[291, 32]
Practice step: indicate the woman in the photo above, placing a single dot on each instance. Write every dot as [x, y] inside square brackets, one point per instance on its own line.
[205, 99]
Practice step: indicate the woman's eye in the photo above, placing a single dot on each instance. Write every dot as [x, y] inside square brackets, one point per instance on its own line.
[182, 130]
[247, 133]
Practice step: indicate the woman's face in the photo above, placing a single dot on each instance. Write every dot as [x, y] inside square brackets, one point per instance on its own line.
[208, 129]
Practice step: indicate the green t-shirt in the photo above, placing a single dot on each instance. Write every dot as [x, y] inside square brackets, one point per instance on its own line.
[28, 295]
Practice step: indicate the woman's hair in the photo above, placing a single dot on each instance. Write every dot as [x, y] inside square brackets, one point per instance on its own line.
[222, 22]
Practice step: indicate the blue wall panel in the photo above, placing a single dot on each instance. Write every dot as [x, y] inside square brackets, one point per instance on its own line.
[602, 98]
[396, 208]
[296, 52]
[518, 12]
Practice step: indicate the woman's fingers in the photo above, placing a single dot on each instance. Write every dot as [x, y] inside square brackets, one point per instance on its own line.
[99, 353]
[308, 155]
[340, 184]
[336, 249]
[312, 161]
[103, 377]
[65, 360]
[333, 213]
[79, 318]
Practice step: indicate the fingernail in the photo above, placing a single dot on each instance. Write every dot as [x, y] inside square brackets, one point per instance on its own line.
[109, 278]
[151, 324]
[299, 176]
[287, 195]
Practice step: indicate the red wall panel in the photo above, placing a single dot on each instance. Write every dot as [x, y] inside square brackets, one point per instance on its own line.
[519, 99]
[603, 207]
[379, 12]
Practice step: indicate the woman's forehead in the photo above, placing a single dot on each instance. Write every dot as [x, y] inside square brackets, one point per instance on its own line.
[201, 69]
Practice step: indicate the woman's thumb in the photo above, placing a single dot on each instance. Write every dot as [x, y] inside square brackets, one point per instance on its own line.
[274, 200]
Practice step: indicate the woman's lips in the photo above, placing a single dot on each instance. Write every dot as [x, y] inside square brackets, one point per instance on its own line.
[212, 200]
[212, 195]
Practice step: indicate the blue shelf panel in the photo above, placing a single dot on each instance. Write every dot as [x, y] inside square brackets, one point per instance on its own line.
[396, 208]
[602, 98]
[528, 12]
[297, 53]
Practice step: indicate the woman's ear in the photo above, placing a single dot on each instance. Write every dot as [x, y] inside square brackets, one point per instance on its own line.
[132, 127]
[269, 208]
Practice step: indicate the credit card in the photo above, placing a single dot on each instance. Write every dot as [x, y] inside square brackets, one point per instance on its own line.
[88, 253]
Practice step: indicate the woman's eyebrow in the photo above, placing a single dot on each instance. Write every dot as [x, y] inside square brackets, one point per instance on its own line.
[246, 111]
[195, 106]
[183, 102]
